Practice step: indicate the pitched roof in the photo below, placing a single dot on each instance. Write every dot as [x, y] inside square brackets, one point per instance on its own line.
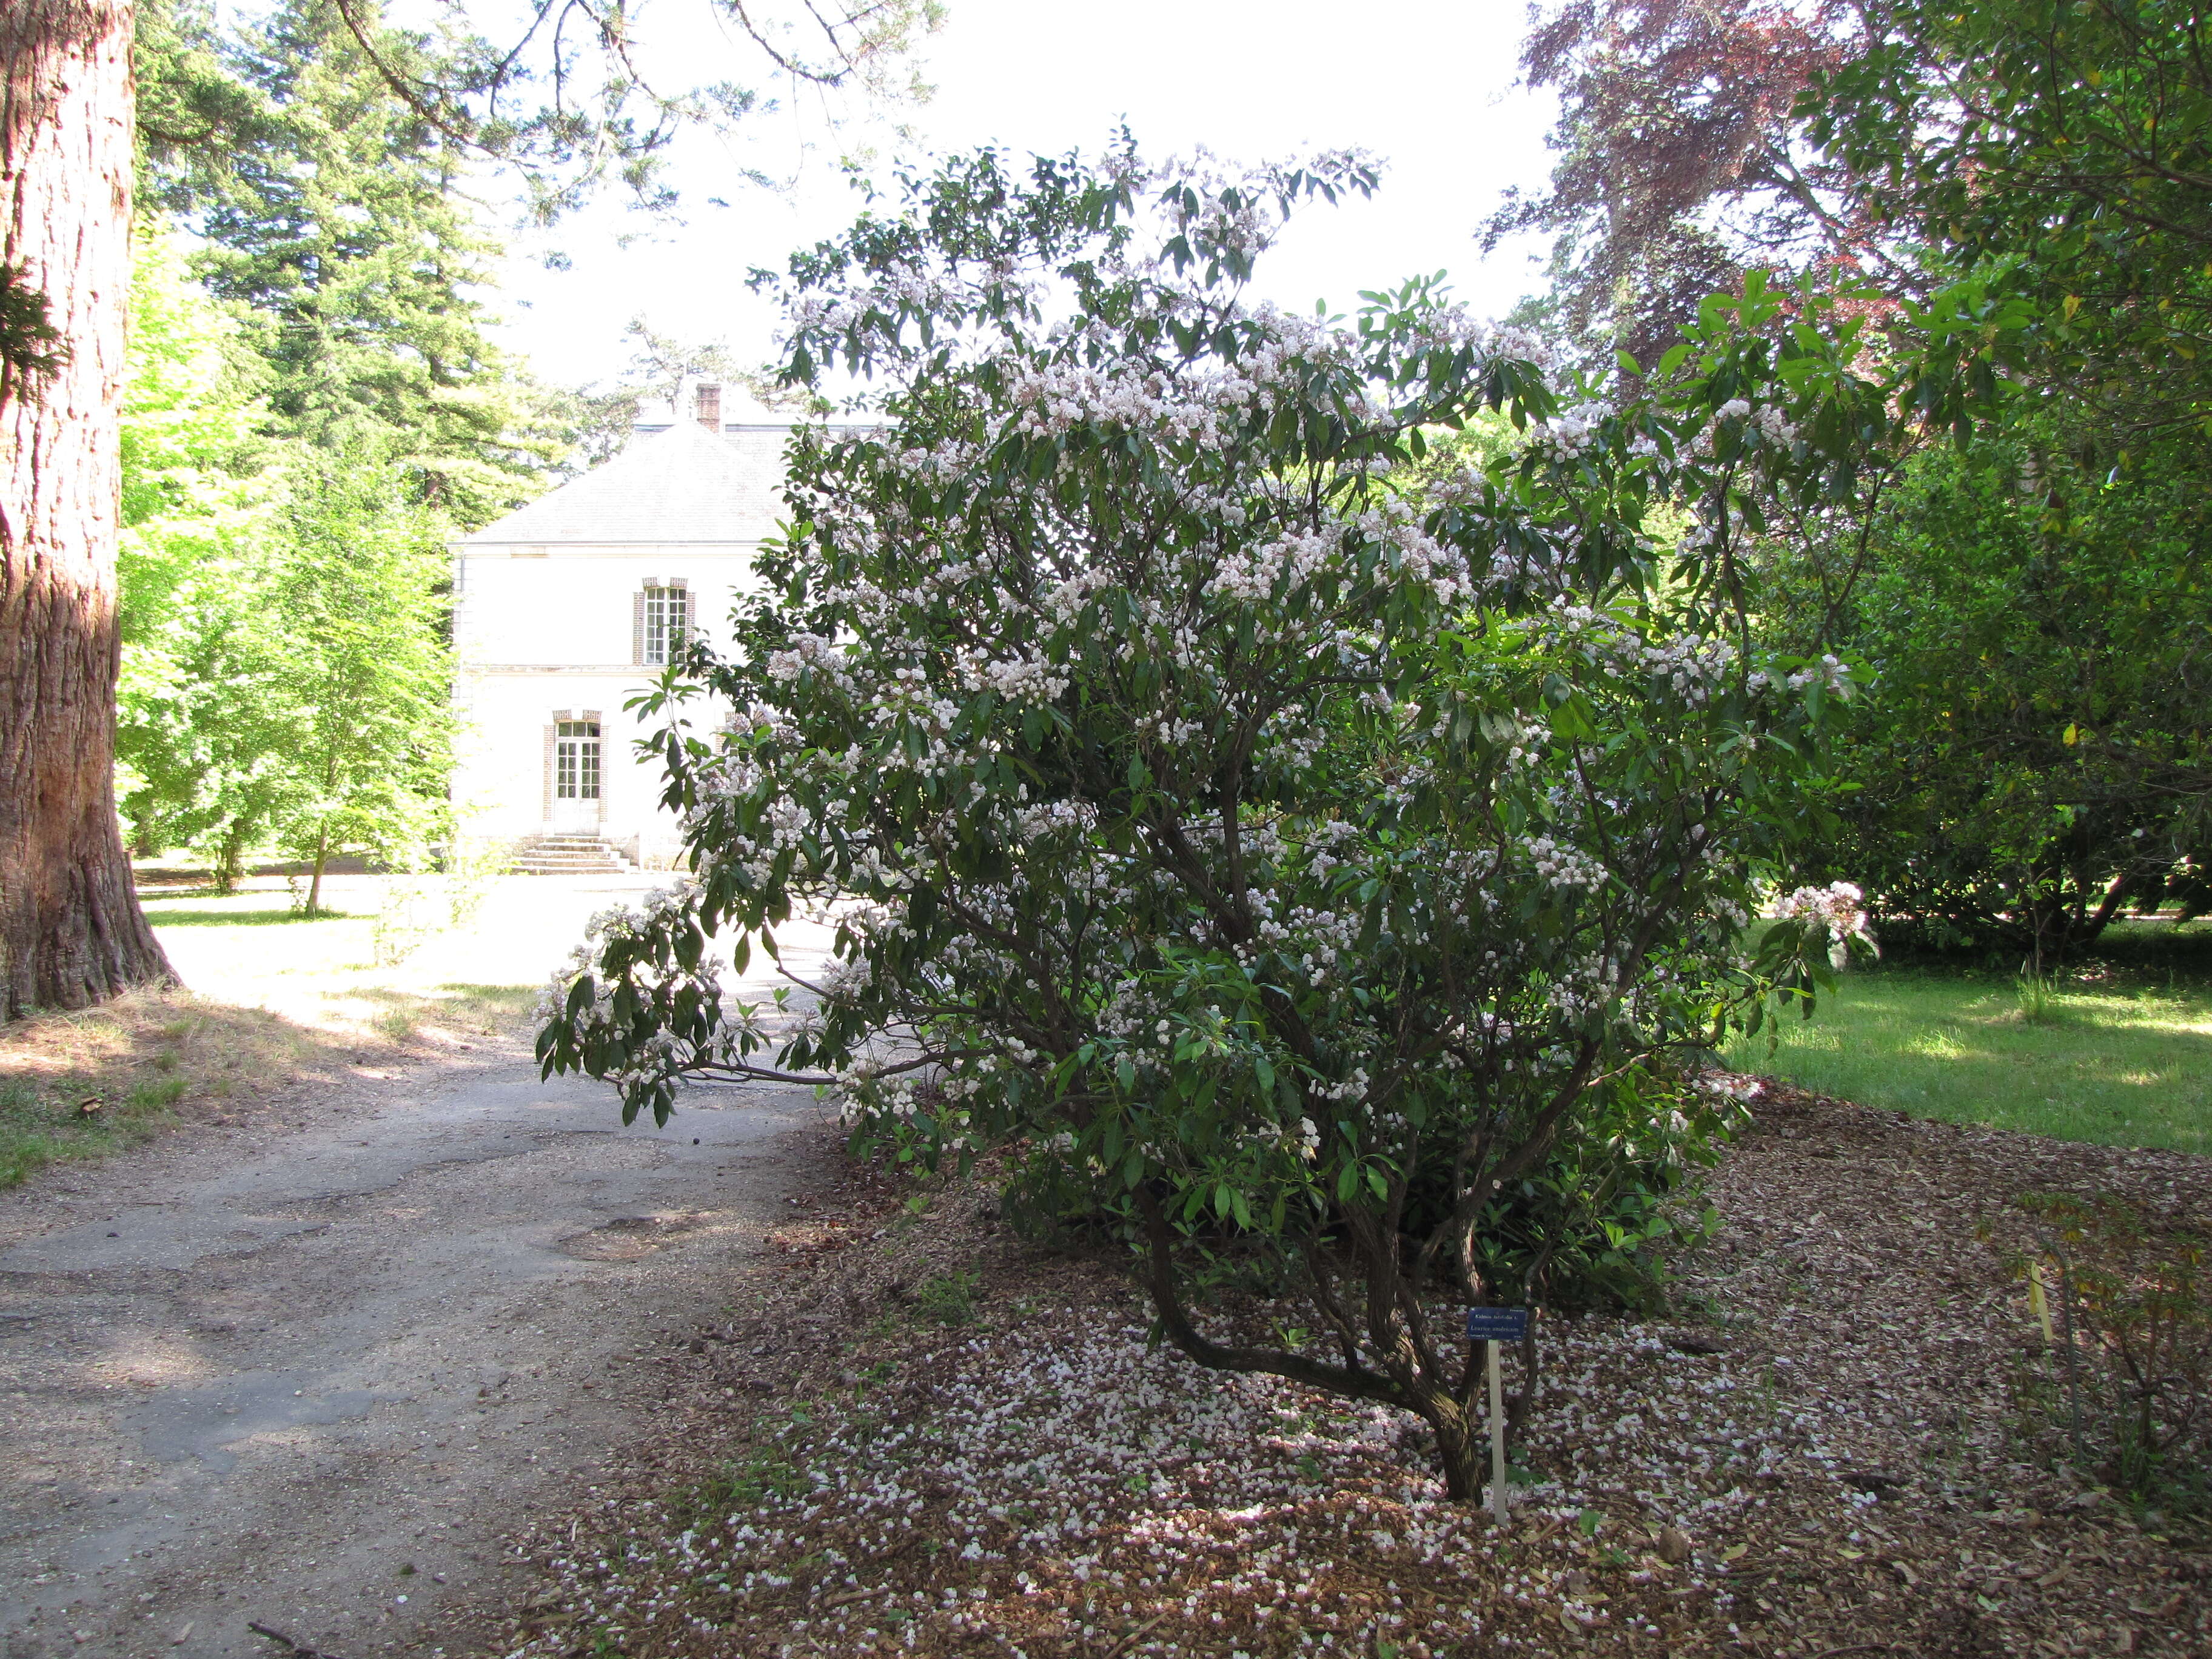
[683, 484]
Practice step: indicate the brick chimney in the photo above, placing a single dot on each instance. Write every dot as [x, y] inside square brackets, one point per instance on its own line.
[706, 407]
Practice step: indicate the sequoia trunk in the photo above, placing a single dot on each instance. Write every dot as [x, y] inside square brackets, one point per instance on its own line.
[70, 929]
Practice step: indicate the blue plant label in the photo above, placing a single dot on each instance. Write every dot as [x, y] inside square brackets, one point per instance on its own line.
[1497, 1324]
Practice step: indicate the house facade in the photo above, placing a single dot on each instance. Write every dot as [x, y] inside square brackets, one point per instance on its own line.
[565, 608]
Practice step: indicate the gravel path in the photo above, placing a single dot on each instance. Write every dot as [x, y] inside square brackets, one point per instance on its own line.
[309, 1373]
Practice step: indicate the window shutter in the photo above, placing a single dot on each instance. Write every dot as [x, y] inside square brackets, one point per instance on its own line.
[637, 626]
[545, 810]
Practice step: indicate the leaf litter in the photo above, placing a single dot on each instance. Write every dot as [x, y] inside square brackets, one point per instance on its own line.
[932, 1438]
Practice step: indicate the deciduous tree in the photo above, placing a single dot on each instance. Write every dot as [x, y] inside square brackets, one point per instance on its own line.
[285, 667]
[1684, 160]
[199, 740]
[355, 592]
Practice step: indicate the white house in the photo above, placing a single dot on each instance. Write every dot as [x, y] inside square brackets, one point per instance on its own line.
[567, 608]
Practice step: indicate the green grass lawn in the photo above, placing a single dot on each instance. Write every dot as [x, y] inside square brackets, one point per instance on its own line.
[2118, 1064]
[42, 1127]
[170, 916]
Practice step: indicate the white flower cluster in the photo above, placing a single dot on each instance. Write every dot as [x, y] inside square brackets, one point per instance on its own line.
[1690, 665]
[1287, 564]
[1828, 672]
[897, 287]
[1561, 866]
[842, 979]
[1352, 1089]
[1571, 432]
[619, 921]
[1038, 819]
[1204, 406]
[807, 651]
[1029, 677]
[1776, 428]
[1767, 423]
[1840, 906]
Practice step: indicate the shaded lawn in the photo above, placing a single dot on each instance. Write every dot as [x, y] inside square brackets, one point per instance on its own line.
[2115, 1065]
[83, 1084]
[97, 1080]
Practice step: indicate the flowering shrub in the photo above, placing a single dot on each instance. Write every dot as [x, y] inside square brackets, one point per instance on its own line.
[1836, 913]
[1276, 840]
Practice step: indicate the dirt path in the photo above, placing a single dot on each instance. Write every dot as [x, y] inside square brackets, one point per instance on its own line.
[309, 1375]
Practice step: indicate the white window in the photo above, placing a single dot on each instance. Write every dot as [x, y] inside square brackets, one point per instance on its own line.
[576, 760]
[665, 619]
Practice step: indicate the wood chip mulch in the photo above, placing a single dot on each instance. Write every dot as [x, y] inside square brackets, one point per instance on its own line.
[930, 1438]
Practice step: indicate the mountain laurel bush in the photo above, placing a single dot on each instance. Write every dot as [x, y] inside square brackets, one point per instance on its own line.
[1279, 841]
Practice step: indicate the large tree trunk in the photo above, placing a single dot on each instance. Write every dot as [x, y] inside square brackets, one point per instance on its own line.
[70, 929]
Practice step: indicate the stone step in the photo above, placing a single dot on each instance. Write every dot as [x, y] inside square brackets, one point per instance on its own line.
[568, 854]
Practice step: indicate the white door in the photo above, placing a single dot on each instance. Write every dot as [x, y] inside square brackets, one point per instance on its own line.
[577, 776]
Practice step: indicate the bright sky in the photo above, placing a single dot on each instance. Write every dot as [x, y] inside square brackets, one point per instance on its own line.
[1426, 85]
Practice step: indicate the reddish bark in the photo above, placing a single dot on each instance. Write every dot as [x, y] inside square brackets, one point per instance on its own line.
[72, 932]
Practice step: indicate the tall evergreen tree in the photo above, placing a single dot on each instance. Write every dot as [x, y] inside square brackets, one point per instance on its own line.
[349, 237]
[70, 929]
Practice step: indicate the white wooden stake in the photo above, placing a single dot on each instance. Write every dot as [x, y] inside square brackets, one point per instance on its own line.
[1497, 1438]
